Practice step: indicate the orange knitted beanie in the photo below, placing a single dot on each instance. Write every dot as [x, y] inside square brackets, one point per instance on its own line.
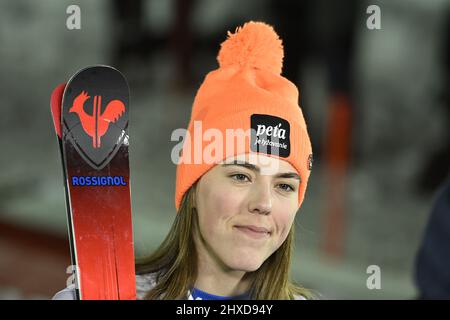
[246, 93]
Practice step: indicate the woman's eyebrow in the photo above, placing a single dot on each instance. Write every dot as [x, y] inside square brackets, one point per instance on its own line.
[289, 175]
[243, 164]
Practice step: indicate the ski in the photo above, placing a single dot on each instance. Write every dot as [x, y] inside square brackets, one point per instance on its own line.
[90, 114]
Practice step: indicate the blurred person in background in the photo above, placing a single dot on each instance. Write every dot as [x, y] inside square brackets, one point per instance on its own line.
[433, 259]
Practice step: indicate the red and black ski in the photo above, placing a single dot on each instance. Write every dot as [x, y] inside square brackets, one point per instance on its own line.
[91, 120]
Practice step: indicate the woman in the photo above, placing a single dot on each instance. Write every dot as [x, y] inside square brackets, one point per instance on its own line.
[233, 234]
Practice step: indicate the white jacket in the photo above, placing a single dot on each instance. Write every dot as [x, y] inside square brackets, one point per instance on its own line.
[144, 283]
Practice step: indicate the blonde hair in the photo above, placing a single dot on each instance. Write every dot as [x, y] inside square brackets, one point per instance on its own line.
[175, 263]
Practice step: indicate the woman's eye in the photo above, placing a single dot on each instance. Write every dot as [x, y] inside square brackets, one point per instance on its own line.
[240, 177]
[286, 187]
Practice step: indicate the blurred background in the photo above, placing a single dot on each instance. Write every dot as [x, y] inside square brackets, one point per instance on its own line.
[376, 102]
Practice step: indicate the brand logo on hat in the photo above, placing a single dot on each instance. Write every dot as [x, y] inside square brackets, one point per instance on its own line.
[310, 161]
[270, 135]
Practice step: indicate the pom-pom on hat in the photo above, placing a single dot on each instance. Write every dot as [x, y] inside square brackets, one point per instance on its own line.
[247, 93]
[256, 45]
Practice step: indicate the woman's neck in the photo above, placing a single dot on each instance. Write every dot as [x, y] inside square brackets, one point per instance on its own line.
[221, 282]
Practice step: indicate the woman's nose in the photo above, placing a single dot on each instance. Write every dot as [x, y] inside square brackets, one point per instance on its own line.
[261, 199]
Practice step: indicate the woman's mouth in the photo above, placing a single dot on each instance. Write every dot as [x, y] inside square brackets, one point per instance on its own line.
[254, 231]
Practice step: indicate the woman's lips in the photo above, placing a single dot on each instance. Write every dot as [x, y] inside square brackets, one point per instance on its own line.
[254, 231]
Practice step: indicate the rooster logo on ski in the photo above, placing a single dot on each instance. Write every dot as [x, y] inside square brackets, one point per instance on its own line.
[97, 124]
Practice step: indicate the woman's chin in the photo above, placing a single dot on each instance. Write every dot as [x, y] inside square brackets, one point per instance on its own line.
[245, 263]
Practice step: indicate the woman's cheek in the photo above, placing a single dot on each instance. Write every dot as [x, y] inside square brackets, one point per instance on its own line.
[226, 202]
[284, 221]
[221, 204]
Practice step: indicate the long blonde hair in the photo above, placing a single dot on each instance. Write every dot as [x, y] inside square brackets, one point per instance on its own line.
[175, 263]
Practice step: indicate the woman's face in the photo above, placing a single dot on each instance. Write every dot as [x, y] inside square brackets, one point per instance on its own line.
[246, 210]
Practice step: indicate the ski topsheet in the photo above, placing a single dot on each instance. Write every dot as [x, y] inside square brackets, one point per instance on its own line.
[93, 136]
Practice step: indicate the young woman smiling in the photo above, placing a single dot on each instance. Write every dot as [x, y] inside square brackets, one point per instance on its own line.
[233, 234]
